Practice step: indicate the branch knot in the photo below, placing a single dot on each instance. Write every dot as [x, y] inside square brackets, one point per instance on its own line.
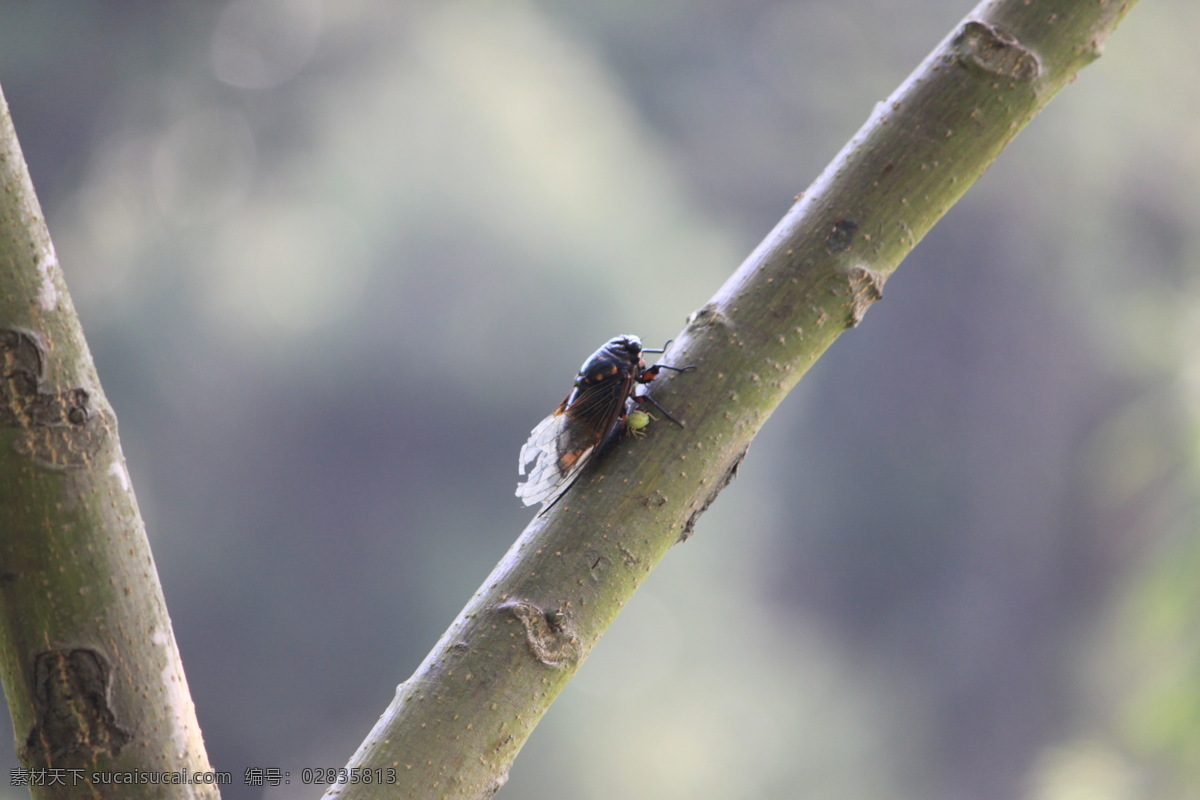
[550, 635]
[995, 51]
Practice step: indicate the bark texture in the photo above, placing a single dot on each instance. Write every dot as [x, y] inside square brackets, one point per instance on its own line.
[90, 668]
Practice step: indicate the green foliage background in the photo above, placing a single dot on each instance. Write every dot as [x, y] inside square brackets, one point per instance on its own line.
[335, 259]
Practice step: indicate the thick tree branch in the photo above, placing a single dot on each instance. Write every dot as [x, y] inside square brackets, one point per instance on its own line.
[455, 726]
[90, 667]
[458, 722]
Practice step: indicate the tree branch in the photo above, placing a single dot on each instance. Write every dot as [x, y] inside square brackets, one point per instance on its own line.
[455, 726]
[89, 662]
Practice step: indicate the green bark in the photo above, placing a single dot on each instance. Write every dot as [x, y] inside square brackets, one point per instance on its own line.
[89, 663]
[455, 726]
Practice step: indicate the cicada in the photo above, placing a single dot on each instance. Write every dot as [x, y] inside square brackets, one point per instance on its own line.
[592, 415]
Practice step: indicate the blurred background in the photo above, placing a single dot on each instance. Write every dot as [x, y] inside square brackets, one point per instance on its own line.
[335, 259]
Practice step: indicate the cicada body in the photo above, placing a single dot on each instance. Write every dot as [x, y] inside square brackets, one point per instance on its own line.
[590, 417]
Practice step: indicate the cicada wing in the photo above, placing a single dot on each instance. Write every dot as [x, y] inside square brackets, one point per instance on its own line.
[563, 443]
[599, 406]
[557, 449]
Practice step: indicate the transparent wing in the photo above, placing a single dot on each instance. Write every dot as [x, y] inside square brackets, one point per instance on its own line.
[563, 443]
[557, 449]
